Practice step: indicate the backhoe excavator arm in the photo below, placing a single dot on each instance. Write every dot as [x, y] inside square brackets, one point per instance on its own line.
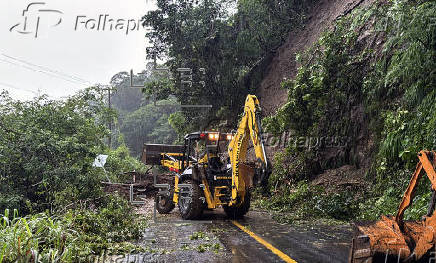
[249, 126]
[427, 161]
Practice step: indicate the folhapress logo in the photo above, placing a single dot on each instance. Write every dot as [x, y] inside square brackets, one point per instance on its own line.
[35, 17]
[106, 23]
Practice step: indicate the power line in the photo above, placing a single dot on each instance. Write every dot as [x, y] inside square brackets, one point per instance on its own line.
[39, 71]
[58, 72]
[14, 87]
[42, 70]
[30, 91]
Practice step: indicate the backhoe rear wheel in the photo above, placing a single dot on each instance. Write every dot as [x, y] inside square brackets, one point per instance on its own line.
[236, 212]
[191, 203]
[164, 203]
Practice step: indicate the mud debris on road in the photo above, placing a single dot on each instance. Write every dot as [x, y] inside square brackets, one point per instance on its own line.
[215, 238]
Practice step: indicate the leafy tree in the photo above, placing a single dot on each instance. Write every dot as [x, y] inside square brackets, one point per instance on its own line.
[47, 149]
[142, 118]
[205, 35]
[125, 98]
[195, 35]
[149, 124]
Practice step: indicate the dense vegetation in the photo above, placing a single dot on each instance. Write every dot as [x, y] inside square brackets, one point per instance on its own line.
[141, 118]
[47, 179]
[227, 45]
[80, 235]
[375, 73]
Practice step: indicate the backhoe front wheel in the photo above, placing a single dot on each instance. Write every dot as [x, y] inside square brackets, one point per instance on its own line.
[191, 201]
[236, 212]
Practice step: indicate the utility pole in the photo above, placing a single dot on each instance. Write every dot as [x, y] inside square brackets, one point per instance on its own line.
[4, 169]
[109, 89]
[110, 120]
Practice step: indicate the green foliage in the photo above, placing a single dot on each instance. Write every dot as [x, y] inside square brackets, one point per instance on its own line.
[125, 98]
[330, 73]
[120, 161]
[387, 194]
[24, 239]
[143, 116]
[114, 223]
[292, 165]
[160, 86]
[405, 76]
[263, 25]
[303, 201]
[47, 150]
[178, 122]
[48, 146]
[197, 235]
[201, 34]
[195, 34]
[380, 59]
[73, 237]
[406, 72]
[149, 124]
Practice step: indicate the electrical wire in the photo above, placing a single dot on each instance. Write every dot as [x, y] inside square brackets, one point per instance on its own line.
[39, 71]
[57, 72]
[14, 87]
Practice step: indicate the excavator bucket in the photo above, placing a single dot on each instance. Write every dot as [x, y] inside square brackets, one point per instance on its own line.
[393, 240]
[384, 241]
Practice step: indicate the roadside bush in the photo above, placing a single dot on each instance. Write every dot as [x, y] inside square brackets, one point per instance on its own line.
[120, 161]
[37, 236]
[388, 191]
[72, 237]
[48, 146]
[113, 222]
[47, 149]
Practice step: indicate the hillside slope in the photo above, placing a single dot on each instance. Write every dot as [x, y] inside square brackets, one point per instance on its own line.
[284, 65]
[359, 108]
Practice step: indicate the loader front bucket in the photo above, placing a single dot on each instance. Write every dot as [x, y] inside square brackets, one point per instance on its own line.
[152, 153]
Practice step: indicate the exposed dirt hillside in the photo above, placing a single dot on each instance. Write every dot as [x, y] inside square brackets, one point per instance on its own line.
[283, 65]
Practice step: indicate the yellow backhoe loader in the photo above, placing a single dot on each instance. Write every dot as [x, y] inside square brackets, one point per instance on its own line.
[202, 178]
[392, 239]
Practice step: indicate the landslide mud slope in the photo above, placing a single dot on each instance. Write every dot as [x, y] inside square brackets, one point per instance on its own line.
[283, 65]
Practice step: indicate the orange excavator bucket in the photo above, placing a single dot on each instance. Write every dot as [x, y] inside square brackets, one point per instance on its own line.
[393, 240]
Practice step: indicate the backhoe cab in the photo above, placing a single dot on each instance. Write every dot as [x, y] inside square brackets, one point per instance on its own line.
[208, 177]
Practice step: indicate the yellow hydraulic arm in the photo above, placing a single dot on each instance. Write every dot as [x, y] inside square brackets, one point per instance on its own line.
[248, 127]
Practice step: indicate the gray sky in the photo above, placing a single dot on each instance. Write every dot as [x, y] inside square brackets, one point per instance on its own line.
[63, 52]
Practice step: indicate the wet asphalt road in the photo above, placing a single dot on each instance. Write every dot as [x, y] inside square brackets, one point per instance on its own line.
[214, 238]
[302, 244]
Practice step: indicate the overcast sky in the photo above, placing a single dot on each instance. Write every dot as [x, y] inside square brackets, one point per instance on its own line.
[67, 56]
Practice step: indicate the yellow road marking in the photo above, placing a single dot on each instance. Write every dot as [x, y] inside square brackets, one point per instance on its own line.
[279, 253]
